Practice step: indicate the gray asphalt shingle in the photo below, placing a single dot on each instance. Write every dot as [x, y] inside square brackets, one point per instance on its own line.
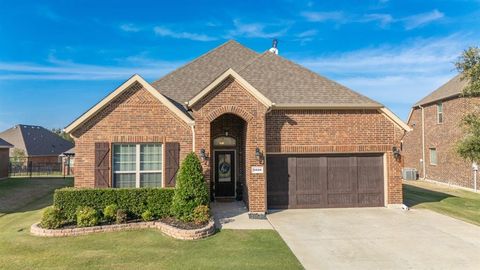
[280, 80]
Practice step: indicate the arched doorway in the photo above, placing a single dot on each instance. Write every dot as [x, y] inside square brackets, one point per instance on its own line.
[228, 133]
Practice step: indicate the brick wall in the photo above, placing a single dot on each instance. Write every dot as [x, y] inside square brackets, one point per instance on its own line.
[135, 116]
[337, 131]
[230, 97]
[4, 159]
[450, 168]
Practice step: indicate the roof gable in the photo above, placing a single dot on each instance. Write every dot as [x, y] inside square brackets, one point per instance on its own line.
[246, 85]
[452, 88]
[104, 102]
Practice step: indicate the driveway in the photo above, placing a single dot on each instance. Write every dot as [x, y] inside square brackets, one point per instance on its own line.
[378, 238]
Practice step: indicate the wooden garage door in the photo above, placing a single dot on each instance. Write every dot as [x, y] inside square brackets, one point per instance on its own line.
[318, 181]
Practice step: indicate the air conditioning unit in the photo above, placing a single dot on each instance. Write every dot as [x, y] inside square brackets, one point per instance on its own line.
[409, 174]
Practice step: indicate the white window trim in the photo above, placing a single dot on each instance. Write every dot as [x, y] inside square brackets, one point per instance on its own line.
[439, 104]
[138, 172]
[436, 156]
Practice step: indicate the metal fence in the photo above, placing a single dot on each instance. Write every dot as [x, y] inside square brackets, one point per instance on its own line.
[38, 169]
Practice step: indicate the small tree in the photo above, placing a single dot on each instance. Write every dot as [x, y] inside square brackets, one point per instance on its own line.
[63, 134]
[469, 66]
[18, 155]
[191, 190]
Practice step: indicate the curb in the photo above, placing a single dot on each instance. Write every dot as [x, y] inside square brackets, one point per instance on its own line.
[169, 230]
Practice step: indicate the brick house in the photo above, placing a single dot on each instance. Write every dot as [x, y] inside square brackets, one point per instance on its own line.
[40, 145]
[4, 158]
[435, 122]
[268, 131]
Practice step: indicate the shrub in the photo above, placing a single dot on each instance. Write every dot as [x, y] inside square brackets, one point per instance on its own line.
[191, 190]
[110, 212]
[87, 217]
[201, 214]
[147, 215]
[51, 218]
[121, 216]
[134, 200]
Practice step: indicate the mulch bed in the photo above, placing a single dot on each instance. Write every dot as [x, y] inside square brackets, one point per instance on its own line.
[182, 225]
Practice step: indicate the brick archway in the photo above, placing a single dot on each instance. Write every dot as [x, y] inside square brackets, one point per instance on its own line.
[232, 109]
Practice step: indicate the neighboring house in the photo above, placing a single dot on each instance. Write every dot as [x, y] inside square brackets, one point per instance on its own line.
[68, 161]
[4, 158]
[40, 145]
[268, 131]
[435, 121]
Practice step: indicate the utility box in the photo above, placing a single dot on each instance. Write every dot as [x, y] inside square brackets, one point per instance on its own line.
[410, 174]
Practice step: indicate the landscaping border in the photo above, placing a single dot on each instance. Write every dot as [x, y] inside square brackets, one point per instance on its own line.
[169, 230]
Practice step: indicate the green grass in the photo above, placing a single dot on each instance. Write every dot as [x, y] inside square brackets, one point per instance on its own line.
[141, 249]
[457, 203]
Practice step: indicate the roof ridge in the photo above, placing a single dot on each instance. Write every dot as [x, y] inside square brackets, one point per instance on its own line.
[20, 128]
[250, 62]
[230, 41]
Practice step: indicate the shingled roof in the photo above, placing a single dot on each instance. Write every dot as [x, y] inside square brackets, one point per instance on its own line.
[5, 144]
[280, 80]
[182, 84]
[36, 140]
[452, 88]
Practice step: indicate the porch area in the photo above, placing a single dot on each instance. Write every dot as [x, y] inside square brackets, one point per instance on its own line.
[234, 215]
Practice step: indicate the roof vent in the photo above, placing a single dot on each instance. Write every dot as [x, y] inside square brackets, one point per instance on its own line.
[274, 46]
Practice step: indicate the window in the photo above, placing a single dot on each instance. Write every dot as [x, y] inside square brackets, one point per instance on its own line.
[137, 165]
[433, 156]
[439, 113]
[224, 141]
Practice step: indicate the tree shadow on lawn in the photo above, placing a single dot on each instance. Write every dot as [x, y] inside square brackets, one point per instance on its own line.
[413, 195]
[25, 194]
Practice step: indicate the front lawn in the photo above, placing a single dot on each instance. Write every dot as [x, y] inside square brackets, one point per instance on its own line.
[457, 203]
[142, 249]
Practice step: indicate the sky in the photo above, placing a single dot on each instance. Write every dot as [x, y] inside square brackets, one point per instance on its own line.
[59, 58]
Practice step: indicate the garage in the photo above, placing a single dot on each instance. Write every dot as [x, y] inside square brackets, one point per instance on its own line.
[325, 181]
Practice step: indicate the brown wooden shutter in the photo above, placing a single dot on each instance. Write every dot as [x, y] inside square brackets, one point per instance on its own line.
[102, 164]
[172, 162]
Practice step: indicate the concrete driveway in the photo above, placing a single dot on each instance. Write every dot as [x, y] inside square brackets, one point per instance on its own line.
[378, 238]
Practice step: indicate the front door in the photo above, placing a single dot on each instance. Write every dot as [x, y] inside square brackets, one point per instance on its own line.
[225, 173]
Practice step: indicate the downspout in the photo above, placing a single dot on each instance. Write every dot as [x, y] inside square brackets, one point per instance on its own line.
[193, 138]
[424, 167]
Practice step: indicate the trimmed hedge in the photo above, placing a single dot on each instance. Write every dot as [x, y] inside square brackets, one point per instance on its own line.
[134, 200]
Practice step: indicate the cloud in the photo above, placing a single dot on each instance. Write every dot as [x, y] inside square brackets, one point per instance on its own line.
[336, 16]
[422, 19]
[57, 69]
[400, 74]
[166, 32]
[308, 33]
[383, 19]
[48, 13]
[129, 28]
[255, 30]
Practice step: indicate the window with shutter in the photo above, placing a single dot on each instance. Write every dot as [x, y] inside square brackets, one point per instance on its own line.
[137, 165]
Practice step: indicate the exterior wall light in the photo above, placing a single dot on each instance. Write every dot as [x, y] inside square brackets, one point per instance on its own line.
[203, 155]
[258, 154]
[396, 152]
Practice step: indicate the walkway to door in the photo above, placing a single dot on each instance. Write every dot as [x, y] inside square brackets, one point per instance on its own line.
[234, 215]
